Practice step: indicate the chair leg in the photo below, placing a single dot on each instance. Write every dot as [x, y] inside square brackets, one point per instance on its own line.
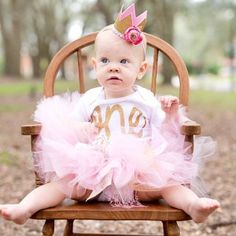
[48, 228]
[171, 228]
[68, 231]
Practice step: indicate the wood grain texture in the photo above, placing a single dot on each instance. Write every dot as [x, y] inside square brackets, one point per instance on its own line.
[31, 129]
[154, 70]
[171, 228]
[104, 211]
[48, 228]
[190, 128]
[68, 231]
[80, 72]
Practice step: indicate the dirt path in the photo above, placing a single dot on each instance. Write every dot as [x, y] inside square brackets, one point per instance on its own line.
[16, 176]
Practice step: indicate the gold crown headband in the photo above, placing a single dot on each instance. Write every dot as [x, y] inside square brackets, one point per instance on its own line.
[129, 26]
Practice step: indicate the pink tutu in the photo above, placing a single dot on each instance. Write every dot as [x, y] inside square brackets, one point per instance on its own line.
[111, 170]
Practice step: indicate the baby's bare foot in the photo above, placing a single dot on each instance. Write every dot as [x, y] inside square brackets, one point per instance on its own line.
[202, 208]
[15, 213]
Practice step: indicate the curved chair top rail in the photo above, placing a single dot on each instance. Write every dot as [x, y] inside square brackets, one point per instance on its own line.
[152, 41]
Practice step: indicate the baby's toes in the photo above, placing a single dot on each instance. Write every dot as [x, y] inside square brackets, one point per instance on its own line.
[214, 204]
[211, 203]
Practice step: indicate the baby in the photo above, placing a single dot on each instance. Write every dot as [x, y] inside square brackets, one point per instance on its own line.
[119, 153]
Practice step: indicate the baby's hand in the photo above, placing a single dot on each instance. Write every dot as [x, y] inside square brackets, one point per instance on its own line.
[169, 104]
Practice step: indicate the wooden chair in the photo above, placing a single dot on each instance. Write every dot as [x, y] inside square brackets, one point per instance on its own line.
[155, 211]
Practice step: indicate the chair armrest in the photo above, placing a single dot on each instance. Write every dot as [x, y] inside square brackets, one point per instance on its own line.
[190, 128]
[31, 129]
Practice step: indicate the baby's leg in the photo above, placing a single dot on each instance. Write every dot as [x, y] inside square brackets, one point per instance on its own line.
[44, 196]
[183, 198]
[80, 194]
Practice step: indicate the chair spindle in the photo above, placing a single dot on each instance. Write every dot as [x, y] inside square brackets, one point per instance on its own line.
[154, 70]
[81, 71]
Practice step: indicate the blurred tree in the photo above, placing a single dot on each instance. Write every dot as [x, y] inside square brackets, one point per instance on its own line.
[97, 14]
[40, 27]
[209, 30]
[161, 19]
[11, 23]
[47, 26]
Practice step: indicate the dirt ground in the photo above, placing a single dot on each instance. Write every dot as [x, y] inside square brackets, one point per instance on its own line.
[17, 179]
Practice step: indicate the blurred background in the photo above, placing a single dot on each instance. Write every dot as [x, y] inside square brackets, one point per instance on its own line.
[203, 32]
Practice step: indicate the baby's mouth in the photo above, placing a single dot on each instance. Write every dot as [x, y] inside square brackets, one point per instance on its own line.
[114, 78]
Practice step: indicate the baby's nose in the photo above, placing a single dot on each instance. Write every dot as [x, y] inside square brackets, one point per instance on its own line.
[114, 68]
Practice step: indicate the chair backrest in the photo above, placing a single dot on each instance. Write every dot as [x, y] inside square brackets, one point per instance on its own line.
[158, 45]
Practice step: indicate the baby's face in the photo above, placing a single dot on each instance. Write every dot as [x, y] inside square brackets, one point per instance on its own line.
[117, 64]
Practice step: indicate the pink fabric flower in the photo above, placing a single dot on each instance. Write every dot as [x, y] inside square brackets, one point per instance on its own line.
[133, 35]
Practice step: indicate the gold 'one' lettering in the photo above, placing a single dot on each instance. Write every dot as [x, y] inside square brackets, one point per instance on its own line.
[134, 121]
[97, 118]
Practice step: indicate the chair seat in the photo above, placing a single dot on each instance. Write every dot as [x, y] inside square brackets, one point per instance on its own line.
[104, 211]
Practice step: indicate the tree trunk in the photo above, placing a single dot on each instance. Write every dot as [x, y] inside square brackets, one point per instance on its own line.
[36, 66]
[12, 56]
[167, 33]
[106, 10]
[161, 23]
[11, 34]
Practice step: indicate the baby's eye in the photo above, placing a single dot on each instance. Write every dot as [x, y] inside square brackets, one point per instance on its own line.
[104, 60]
[124, 61]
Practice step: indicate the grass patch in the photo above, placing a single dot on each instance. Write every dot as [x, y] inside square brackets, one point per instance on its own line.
[18, 88]
[29, 87]
[23, 87]
[12, 107]
[5, 158]
[219, 100]
[215, 100]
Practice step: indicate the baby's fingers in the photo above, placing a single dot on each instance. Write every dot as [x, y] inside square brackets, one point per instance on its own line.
[173, 101]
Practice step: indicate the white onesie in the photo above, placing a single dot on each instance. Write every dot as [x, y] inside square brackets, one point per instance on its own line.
[134, 113]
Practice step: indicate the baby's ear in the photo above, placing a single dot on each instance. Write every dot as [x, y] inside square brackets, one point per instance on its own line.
[143, 68]
[94, 62]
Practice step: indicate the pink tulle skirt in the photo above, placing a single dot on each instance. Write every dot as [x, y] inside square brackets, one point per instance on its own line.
[113, 171]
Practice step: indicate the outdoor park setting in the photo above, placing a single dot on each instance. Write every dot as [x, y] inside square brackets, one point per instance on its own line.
[204, 34]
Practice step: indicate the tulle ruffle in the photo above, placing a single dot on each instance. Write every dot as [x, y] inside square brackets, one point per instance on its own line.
[115, 168]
